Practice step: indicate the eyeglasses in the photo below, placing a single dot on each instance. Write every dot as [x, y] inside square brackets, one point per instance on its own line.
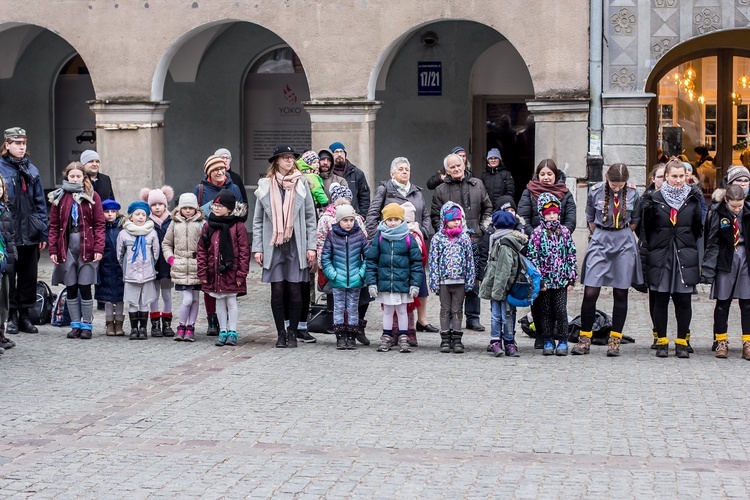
[220, 170]
[339, 152]
[744, 180]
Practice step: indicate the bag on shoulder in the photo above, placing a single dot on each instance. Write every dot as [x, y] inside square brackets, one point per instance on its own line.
[525, 288]
[41, 313]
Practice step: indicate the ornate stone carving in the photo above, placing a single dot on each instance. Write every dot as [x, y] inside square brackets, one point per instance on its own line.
[665, 3]
[623, 22]
[623, 80]
[705, 21]
[660, 48]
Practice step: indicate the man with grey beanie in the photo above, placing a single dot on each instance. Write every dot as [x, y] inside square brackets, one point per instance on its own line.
[225, 155]
[101, 182]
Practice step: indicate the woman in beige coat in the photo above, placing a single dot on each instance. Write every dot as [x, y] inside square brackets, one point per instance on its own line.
[180, 247]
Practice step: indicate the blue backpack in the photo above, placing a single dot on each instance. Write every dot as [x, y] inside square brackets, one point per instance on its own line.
[525, 287]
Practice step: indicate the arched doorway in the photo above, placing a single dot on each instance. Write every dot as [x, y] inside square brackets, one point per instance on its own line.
[703, 101]
[482, 79]
[75, 129]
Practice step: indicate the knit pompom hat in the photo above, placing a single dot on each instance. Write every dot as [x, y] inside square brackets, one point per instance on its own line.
[212, 163]
[344, 211]
[309, 157]
[152, 196]
[393, 211]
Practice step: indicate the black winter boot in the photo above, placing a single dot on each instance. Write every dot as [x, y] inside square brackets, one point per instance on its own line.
[156, 325]
[341, 339]
[134, 319]
[213, 325]
[458, 346]
[445, 342]
[351, 337]
[360, 334]
[281, 340]
[12, 325]
[142, 324]
[166, 325]
[24, 323]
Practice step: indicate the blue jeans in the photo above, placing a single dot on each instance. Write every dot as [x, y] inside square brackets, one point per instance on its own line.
[509, 329]
[346, 300]
[499, 326]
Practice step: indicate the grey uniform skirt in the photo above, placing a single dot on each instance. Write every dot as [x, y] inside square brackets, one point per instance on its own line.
[736, 283]
[73, 271]
[612, 259]
[285, 265]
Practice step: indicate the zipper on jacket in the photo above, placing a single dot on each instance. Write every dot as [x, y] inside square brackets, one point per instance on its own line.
[391, 267]
[346, 247]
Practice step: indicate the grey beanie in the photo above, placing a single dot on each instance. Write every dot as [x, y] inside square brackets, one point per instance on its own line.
[736, 172]
[223, 151]
[89, 155]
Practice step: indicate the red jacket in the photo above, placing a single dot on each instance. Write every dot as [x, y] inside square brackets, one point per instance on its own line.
[208, 262]
[90, 221]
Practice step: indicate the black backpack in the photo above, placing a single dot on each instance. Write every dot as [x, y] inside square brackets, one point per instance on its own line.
[41, 313]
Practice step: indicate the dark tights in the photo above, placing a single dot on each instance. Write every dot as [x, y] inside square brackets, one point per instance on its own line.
[683, 311]
[619, 309]
[73, 290]
[721, 315]
[291, 307]
[553, 310]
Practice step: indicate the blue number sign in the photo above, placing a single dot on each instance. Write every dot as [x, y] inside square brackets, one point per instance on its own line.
[429, 78]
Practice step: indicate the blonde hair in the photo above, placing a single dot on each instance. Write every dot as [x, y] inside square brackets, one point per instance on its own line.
[275, 167]
[77, 165]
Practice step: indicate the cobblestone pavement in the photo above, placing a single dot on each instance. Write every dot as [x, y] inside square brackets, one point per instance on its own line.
[110, 418]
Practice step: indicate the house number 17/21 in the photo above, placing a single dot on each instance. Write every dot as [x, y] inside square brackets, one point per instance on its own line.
[429, 79]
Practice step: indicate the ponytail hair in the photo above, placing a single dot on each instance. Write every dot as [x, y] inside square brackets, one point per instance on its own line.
[617, 172]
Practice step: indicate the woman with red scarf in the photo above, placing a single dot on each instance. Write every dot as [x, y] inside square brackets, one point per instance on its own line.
[547, 179]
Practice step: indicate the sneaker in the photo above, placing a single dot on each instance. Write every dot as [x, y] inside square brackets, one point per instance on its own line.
[403, 343]
[385, 343]
[562, 348]
[496, 349]
[722, 349]
[549, 347]
[6, 343]
[511, 350]
[583, 346]
[221, 340]
[305, 336]
[746, 350]
[231, 338]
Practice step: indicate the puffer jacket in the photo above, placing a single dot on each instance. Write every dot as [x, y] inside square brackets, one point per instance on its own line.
[450, 260]
[161, 227]
[498, 182]
[528, 209]
[720, 240]
[181, 243]
[207, 192]
[91, 226]
[317, 189]
[140, 271]
[484, 247]
[394, 266]
[26, 198]
[209, 258]
[111, 286]
[502, 265]
[468, 192]
[8, 230]
[387, 193]
[343, 257]
[662, 237]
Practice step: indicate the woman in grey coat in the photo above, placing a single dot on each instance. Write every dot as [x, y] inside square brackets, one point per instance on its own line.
[284, 238]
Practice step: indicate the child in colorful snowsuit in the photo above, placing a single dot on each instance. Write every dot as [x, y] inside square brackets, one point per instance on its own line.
[158, 199]
[552, 250]
[343, 262]
[7, 230]
[138, 250]
[111, 286]
[308, 165]
[180, 250]
[394, 272]
[452, 273]
[726, 266]
[224, 261]
[505, 245]
[76, 244]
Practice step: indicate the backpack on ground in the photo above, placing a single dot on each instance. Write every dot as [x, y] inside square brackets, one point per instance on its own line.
[60, 314]
[41, 313]
[525, 287]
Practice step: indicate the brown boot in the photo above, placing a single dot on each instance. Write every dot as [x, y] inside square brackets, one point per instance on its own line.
[119, 321]
[746, 350]
[722, 349]
[583, 346]
[110, 331]
[614, 347]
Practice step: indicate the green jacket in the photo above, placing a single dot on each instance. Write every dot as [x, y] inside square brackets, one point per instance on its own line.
[502, 265]
[315, 182]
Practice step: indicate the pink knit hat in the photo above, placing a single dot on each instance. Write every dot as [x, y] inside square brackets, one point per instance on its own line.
[153, 196]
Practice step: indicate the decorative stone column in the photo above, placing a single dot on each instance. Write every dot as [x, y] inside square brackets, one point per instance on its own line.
[624, 129]
[130, 140]
[561, 133]
[351, 122]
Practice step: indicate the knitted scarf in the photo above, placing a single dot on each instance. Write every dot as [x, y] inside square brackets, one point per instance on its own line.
[74, 188]
[453, 232]
[536, 188]
[226, 249]
[140, 232]
[674, 196]
[22, 165]
[393, 233]
[403, 189]
[282, 209]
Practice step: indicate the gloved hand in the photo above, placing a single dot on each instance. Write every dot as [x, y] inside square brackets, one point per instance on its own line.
[706, 280]
[413, 291]
[373, 290]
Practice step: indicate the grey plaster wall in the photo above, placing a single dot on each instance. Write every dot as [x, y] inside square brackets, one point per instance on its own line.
[27, 98]
[206, 115]
[425, 129]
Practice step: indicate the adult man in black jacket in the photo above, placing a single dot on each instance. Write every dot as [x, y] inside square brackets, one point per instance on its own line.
[101, 182]
[354, 177]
